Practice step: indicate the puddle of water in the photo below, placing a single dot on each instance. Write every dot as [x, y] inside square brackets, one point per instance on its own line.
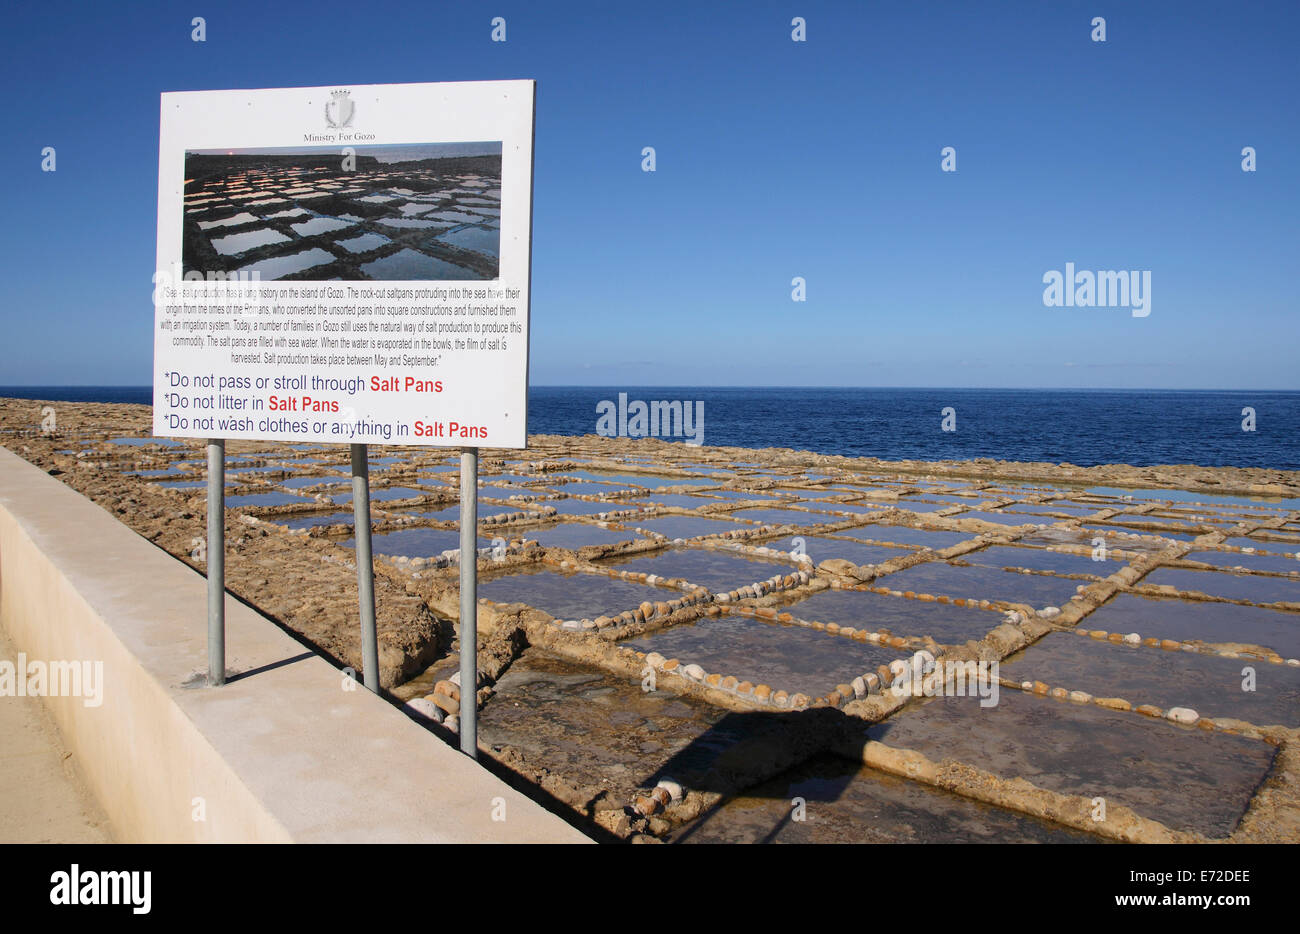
[182, 484]
[364, 243]
[570, 595]
[917, 505]
[1183, 496]
[1209, 684]
[849, 803]
[577, 535]
[718, 571]
[1087, 750]
[1045, 508]
[411, 264]
[234, 221]
[734, 495]
[999, 518]
[689, 526]
[905, 535]
[278, 266]
[456, 217]
[478, 239]
[319, 225]
[858, 508]
[241, 242]
[415, 543]
[1171, 618]
[783, 516]
[788, 658]
[942, 622]
[1150, 534]
[1234, 559]
[823, 548]
[382, 494]
[409, 223]
[587, 488]
[679, 500]
[582, 507]
[939, 577]
[145, 442]
[298, 483]
[265, 499]
[452, 513]
[1040, 559]
[1250, 587]
[645, 480]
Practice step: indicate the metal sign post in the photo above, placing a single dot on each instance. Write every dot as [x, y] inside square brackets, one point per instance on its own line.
[216, 562]
[365, 565]
[469, 602]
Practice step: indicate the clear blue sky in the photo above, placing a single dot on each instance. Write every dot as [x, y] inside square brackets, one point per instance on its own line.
[775, 159]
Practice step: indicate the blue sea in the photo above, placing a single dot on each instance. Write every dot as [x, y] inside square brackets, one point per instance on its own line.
[1083, 427]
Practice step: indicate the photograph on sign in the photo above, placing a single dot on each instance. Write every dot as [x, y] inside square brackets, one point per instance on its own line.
[429, 212]
[344, 265]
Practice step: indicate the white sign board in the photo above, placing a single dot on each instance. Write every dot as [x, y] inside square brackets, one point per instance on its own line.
[345, 264]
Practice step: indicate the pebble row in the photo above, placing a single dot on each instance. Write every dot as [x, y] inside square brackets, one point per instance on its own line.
[1184, 715]
[773, 584]
[644, 613]
[451, 557]
[746, 690]
[1173, 645]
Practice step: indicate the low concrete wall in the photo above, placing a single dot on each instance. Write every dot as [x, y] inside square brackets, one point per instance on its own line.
[283, 754]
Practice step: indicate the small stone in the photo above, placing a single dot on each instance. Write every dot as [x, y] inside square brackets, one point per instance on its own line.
[1182, 715]
[729, 683]
[425, 707]
[694, 672]
[1059, 693]
[1112, 703]
[673, 788]
[713, 680]
[745, 687]
[799, 700]
[1049, 612]
[1148, 710]
[671, 665]
[1133, 639]
[762, 692]
[645, 805]
[859, 687]
[781, 699]
[1040, 688]
[1080, 697]
[1170, 645]
[654, 660]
